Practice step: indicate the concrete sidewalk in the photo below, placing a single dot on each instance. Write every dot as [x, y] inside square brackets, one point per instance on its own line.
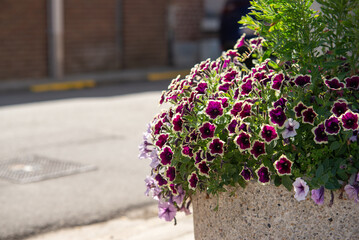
[139, 224]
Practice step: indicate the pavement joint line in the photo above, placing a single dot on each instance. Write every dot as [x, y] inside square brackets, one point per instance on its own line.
[158, 76]
[63, 86]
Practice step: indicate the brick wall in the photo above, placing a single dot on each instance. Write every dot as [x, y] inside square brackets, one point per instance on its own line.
[90, 36]
[23, 39]
[145, 33]
[188, 16]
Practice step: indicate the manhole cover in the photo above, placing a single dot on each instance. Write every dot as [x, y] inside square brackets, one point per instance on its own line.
[37, 168]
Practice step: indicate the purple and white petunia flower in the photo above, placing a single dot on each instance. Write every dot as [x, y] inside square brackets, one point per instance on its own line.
[224, 87]
[240, 41]
[160, 180]
[150, 184]
[246, 87]
[207, 130]
[162, 139]
[237, 108]
[201, 87]
[318, 195]
[231, 127]
[277, 81]
[246, 173]
[301, 189]
[224, 101]
[282, 102]
[299, 109]
[216, 146]
[192, 181]
[263, 175]
[246, 110]
[352, 191]
[214, 109]
[320, 136]
[180, 195]
[166, 211]
[334, 84]
[171, 174]
[309, 115]
[283, 166]
[203, 168]
[155, 161]
[339, 108]
[229, 77]
[352, 82]
[302, 80]
[187, 151]
[166, 156]
[354, 138]
[268, 133]
[242, 141]
[289, 128]
[349, 120]
[258, 148]
[332, 125]
[277, 116]
[177, 123]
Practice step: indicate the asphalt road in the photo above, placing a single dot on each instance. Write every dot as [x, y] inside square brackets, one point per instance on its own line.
[100, 127]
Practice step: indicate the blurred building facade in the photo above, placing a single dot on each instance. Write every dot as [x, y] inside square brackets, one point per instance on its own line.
[57, 38]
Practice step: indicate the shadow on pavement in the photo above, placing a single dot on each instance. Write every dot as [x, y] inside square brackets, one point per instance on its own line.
[114, 89]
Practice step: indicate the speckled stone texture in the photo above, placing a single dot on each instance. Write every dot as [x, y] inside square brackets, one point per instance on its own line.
[269, 212]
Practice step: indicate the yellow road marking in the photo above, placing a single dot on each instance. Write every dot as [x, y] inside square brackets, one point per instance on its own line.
[166, 75]
[62, 86]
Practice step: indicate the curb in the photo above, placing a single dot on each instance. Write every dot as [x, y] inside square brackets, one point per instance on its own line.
[90, 80]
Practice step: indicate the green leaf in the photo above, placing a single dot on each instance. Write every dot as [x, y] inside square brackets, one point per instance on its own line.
[319, 171]
[335, 145]
[287, 182]
[277, 181]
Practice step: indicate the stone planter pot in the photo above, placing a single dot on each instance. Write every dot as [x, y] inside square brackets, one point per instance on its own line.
[269, 212]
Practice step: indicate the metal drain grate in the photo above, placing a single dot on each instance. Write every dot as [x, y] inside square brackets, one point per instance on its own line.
[37, 168]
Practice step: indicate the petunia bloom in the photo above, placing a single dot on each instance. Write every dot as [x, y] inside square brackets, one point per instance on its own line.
[162, 139]
[320, 136]
[216, 146]
[201, 87]
[283, 166]
[263, 175]
[187, 151]
[301, 189]
[171, 173]
[207, 130]
[290, 126]
[203, 168]
[231, 127]
[299, 109]
[246, 111]
[177, 123]
[349, 120]
[246, 87]
[166, 211]
[258, 148]
[277, 116]
[352, 82]
[309, 115]
[268, 133]
[282, 102]
[214, 109]
[302, 80]
[352, 192]
[242, 141]
[192, 181]
[237, 108]
[166, 156]
[240, 41]
[339, 108]
[277, 81]
[246, 173]
[318, 195]
[332, 125]
[334, 84]
[160, 180]
[224, 87]
[180, 195]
